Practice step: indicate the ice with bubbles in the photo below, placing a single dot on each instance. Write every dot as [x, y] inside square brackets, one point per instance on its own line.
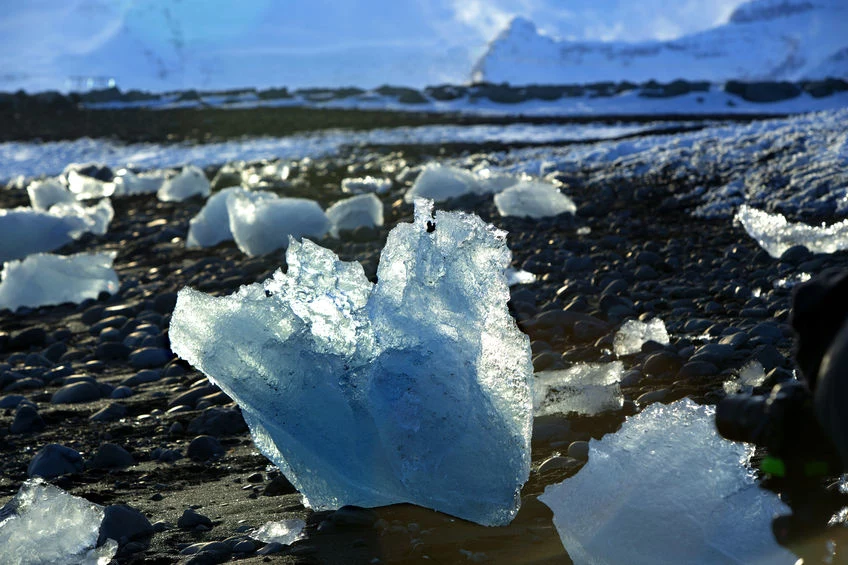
[633, 334]
[416, 389]
[44, 524]
[533, 199]
[285, 532]
[776, 234]
[584, 388]
[44, 279]
[364, 210]
[673, 489]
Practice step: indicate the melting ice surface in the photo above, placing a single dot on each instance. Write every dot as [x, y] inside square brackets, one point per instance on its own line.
[285, 531]
[416, 389]
[533, 199]
[633, 334]
[673, 489]
[44, 524]
[775, 234]
[364, 210]
[191, 181]
[44, 279]
[585, 388]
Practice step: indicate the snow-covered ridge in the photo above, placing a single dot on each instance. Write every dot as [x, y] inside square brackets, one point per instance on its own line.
[763, 40]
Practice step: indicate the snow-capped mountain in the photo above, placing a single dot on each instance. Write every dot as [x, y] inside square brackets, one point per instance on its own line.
[762, 40]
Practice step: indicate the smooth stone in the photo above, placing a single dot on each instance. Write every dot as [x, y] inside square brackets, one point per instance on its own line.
[149, 357]
[112, 412]
[190, 519]
[27, 420]
[111, 456]
[217, 421]
[77, 392]
[123, 523]
[697, 369]
[112, 351]
[121, 392]
[204, 448]
[652, 396]
[110, 322]
[273, 547]
[11, 401]
[579, 450]
[145, 376]
[555, 463]
[32, 337]
[54, 460]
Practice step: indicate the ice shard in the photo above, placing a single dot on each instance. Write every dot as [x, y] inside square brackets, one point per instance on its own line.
[664, 489]
[364, 210]
[44, 524]
[775, 234]
[533, 199]
[416, 389]
[633, 334]
[585, 388]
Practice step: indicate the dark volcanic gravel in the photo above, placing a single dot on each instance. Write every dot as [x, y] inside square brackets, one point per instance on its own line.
[142, 429]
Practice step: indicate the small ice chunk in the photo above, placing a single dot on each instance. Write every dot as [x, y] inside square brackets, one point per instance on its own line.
[519, 276]
[775, 234]
[493, 182]
[86, 187]
[416, 389]
[751, 375]
[211, 225]
[191, 181]
[633, 334]
[262, 222]
[534, 199]
[45, 193]
[285, 532]
[362, 185]
[676, 491]
[44, 524]
[364, 210]
[585, 388]
[441, 182]
[44, 279]
[127, 183]
[24, 231]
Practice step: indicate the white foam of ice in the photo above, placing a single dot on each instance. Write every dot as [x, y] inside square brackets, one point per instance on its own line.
[673, 489]
[35, 158]
[775, 234]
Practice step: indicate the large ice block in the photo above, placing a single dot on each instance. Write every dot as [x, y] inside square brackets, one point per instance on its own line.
[211, 225]
[533, 199]
[414, 390]
[45, 193]
[775, 234]
[44, 279]
[262, 222]
[666, 489]
[585, 388]
[44, 524]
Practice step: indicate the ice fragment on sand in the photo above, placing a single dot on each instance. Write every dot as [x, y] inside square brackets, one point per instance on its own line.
[262, 222]
[364, 210]
[585, 388]
[751, 375]
[285, 532]
[533, 199]
[191, 181]
[633, 334]
[519, 276]
[441, 182]
[211, 225]
[44, 279]
[128, 183]
[44, 524]
[414, 390]
[366, 184]
[46, 193]
[24, 231]
[86, 187]
[669, 485]
[775, 234]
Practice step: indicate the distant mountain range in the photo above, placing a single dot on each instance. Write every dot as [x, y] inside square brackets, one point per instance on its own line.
[762, 40]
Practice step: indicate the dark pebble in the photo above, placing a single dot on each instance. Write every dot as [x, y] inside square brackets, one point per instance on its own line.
[149, 357]
[111, 456]
[145, 376]
[190, 519]
[32, 337]
[54, 460]
[279, 485]
[78, 392]
[27, 420]
[218, 422]
[124, 523]
[115, 411]
[204, 448]
[112, 351]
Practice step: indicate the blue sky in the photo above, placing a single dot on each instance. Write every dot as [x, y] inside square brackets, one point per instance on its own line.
[163, 44]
